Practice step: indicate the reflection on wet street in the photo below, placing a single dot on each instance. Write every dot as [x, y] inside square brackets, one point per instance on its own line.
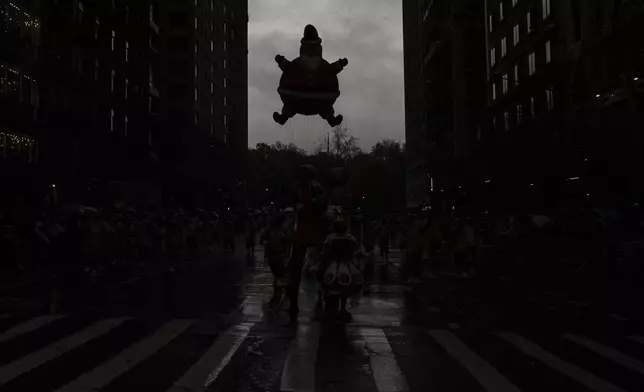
[208, 327]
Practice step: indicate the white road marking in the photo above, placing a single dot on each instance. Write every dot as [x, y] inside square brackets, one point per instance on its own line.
[589, 380]
[453, 326]
[25, 364]
[384, 368]
[480, 369]
[208, 368]
[299, 370]
[28, 326]
[127, 359]
[625, 360]
[637, 338]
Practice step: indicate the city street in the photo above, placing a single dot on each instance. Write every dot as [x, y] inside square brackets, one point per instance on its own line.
[206, 327]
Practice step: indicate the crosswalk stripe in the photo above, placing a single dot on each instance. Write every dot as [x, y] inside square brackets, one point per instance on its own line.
[637, 338]
[589, 380]
[25, 364]
[384, 367]
[625, 360]
[299, 369]
[128, 358]
[28, 326]
[480, 369]
[208, 368]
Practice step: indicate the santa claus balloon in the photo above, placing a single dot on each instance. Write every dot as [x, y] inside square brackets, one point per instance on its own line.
[309, 84]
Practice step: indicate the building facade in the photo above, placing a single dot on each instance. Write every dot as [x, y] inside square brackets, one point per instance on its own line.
[445, 73]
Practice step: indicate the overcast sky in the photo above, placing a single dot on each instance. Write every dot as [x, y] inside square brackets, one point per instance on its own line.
[367, 32]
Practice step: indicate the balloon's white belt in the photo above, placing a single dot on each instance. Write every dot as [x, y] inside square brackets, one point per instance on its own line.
[300, 94]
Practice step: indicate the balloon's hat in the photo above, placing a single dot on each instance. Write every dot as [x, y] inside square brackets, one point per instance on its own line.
[311, 36]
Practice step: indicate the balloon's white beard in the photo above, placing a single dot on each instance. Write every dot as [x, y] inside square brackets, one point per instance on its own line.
[311, 62]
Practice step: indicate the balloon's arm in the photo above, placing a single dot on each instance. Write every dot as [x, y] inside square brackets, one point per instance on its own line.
[282, 61]
[339, 65]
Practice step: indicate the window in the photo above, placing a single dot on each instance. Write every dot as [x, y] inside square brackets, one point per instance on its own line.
[493, 91]
[212, 108]
[225, 101]
[493, 57]
[113, 39]
[196, 3]
[504, 47]
[516, 34]
[212, 128]
[112, 77]
[196, 118]
[550, 98]
[532, 64]
[548, 53]
[225, 120]
[196, 47]
[514, 3]
[111, 120]
[225, 27]
[196, 71]
[212, 5]
[528, 22]
[225, 63]
[127, 52]
[212, 45]
[532, 113]
[212, 69]
[212, 25]
[97, 24]
[490, 21]
[127, 87]
[494, 123]
[501, 10]
[519, 114]
[505, 84]
[127, 14]
[125, 122]
[150, 105]
[212, 88]
[196, 23]
[225, 46]
[545, 7]
[225, 82]
[225, 10]
[506, 120]
[81, 11]
[196, 94]
[226, 138]
[96, 70]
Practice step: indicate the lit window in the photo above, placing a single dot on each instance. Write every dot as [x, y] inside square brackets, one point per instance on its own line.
[528, 21]
[196, 71]
[196, 23]
[504, 47]
[196, 94]
[212, 128]
[112, 78]
[501, 10]
[505, 84]
[111, 120]
[514, 3]
[516, 35]
[532, 112]
[519, 114]
[493, 91]
[491, 22]
[113, 39]
[125, 122]
[548, 53]
[493, 57]
[506, 120]
[127, 87]
[212, 88]
[516, 74]
[550, 98]
[532, 63]
[225, 82]
[212, 45]
[545, 7]
[127, 52]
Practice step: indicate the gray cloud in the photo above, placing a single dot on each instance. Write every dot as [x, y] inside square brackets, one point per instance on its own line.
[367, 32]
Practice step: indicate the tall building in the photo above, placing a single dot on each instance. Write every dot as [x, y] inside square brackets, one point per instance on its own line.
[205, 85]
[445, 89]
[557, 73]
[20, 128]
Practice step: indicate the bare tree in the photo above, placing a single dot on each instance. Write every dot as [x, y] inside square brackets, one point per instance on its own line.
[340, 144]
